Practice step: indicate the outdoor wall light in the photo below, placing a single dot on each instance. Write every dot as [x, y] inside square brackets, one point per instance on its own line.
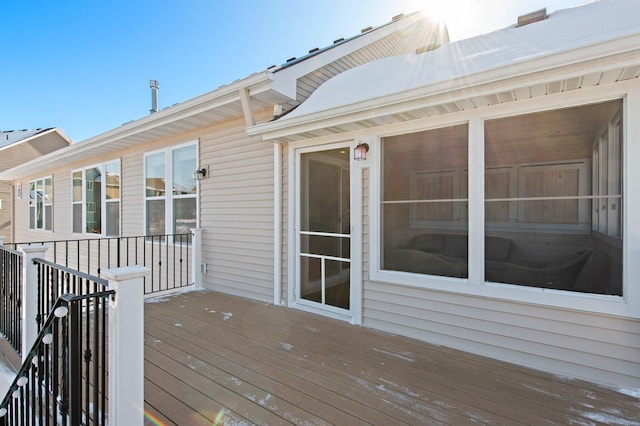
[360, 151]
[200, 174]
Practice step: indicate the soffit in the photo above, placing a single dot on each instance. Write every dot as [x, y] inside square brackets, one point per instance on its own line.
[442, 102]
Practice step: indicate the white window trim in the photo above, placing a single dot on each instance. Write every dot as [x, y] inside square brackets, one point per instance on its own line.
[44, 210]
[627, 305]
[103, 200]
[168, 189]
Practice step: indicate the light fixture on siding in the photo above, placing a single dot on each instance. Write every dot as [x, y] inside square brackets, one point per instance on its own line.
[360, 151]
[199, 174]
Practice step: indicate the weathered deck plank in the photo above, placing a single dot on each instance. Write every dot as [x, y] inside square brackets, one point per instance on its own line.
[213, 358]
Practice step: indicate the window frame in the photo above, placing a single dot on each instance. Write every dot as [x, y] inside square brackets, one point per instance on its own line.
[627, 305]
[84, 187]
[45, 218]
[169, 197]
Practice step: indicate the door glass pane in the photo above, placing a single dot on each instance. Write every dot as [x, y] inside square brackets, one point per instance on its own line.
[310, 279]
[325, 210]
[327, 246]
[325, 204]
[337, 286]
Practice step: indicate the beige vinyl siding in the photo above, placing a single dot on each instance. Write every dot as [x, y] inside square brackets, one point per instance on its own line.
[236, 205]
[6, 200]
[132, 192]
[594, 347]
[236, 212]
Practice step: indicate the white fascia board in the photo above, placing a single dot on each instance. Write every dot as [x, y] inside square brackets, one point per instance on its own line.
[256, 83]
[384, 105]
[285, 79]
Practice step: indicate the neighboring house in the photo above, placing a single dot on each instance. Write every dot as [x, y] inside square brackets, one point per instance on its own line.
[496, 211]
[493, 212]
[18, 147]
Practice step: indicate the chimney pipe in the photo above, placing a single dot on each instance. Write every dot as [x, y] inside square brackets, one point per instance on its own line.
[154, 95]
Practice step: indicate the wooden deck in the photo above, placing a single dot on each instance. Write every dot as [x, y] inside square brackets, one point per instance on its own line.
[216, 359]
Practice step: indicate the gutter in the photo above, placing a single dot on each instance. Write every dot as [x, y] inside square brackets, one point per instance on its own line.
[202, 103]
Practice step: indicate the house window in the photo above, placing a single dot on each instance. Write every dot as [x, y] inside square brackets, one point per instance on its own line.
[424, 202]
[41, 204]
[171, 191]
[552, 199]
[95, 202]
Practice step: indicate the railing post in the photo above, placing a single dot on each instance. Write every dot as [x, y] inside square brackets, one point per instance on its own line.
[29, 298]
[126, 345]
[2, 238]
[196, 256]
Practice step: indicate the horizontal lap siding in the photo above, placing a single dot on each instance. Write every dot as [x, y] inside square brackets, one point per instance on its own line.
[236, 213]
[595, 347]
[599, 348]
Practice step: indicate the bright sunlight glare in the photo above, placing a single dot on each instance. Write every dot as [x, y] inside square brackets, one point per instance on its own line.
[464, 18]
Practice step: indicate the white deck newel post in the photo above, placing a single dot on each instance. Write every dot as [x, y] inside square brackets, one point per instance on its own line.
[126, 345]
[196, 255]
[29, 308]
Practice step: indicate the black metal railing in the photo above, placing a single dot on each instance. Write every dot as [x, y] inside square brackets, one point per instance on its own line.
[168, 256]
[10, 295]
[63, 379]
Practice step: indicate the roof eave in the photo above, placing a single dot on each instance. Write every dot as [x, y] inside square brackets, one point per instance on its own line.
[256, 83]
[291, 126]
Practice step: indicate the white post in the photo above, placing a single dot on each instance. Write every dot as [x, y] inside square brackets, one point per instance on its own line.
[29, 308]
[2, 238]
[126, 345]
[196, 255]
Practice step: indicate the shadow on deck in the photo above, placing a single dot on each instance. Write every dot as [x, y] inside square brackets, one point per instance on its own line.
[211, 358]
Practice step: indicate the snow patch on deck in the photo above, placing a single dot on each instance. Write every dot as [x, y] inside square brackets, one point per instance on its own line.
[286, 346]
[406, 356]
[227, 315]
[6, 378]
[629, 392]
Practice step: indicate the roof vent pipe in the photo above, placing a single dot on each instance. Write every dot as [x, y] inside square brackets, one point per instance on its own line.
[154, 95]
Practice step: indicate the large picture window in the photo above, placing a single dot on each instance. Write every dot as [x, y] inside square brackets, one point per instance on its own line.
[171, 191]
[424, 217]
[559, 226]
[96, 199]
[552, 201]
[41, 204]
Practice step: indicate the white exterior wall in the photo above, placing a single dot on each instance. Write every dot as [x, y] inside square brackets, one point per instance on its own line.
[571, 334]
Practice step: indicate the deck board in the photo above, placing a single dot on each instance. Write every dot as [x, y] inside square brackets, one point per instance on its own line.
[212, 357]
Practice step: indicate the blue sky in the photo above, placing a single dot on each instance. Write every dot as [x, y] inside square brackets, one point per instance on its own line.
[84, 65]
